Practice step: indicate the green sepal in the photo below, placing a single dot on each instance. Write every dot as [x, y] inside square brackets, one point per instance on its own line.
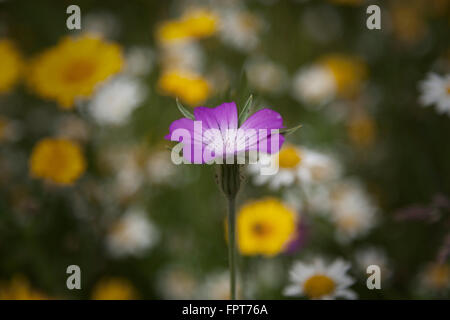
[246, 110]
[289, 131]
[185, 112]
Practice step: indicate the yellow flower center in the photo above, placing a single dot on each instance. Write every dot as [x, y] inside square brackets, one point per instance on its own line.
[114, 289]
[448, 89]
[348, 72]
[261, 229]
[318, 173]
[318, 286]
[362, 130]
[78, 70]
[289, 157]
[348, 223]
[119, 231]
[248, 21]
[439, 276]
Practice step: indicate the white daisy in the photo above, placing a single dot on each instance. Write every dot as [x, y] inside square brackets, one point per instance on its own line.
[289, 160]
[72, 127]
[352, 211]
[127, 163]
[103, 24]
[132, 234]
[435, 90]
[128, 180]
[318, 199]
[160, 169]
[265, 75]
[217, 287]
[219, 77]
[129, 177]
[176, 283]
[182, 55]
[297, 165]
[373, 256]
[239, 29]
[319, 281]
[313, 85]
[317, 167]
[139, 61]
[116, 100]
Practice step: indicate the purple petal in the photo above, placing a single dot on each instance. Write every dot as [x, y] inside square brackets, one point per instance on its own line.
[222, 117]
[264, 119]
[268, 145]
[299, 239]
[196, 148]
[184, 123]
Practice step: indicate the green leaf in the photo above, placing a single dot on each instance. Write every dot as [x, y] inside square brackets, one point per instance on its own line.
[246, 110]
[185, 112]
[289, 131]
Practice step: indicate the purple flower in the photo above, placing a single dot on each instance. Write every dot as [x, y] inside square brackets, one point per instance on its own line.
[214, 133]
[299, 238]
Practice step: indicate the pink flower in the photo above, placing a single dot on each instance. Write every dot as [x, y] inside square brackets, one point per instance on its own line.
[214, 133]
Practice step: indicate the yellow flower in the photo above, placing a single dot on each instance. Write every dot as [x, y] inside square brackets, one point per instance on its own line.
[348, 72]
[264, 227]
[58, 160]
[437, 276]
[171, 30]
[10, 65]
[72, 69]
[198, 23]
[19, 289]
[189, 87]
[114, 289]
[408, 22]
[362, 130]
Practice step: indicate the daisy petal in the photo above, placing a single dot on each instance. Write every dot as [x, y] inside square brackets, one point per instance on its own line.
[346, 294]
[292, 290]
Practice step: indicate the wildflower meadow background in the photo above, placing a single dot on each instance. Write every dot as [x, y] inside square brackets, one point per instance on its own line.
[86, 177]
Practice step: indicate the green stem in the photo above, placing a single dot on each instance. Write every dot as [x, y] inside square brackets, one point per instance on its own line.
[229, 180]
[232, 245]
